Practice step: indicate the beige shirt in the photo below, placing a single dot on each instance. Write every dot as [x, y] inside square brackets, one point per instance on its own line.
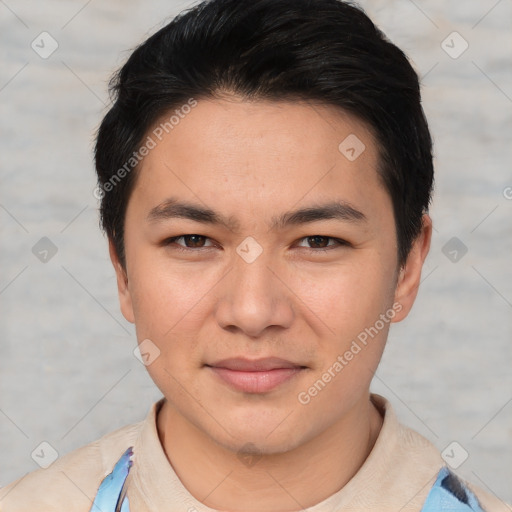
[396, 476]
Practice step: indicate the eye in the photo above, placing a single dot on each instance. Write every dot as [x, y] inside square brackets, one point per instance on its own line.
[322, 241]
[191, 242]
[195, 241]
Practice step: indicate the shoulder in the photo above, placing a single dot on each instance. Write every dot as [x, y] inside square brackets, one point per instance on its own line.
[488, 501]
[72, 481]
[431, 457]
[412, 460]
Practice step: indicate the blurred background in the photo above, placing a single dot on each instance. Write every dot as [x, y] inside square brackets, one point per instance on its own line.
[68, 374]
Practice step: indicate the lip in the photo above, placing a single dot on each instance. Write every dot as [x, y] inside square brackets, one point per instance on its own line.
[254, 365]
[257, 375]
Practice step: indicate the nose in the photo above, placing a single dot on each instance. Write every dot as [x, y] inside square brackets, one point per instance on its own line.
[254, 296]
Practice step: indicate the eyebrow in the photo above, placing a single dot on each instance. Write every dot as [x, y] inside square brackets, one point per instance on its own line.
[173, 208]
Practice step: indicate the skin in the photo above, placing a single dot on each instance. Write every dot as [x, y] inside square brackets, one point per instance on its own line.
[250, 161]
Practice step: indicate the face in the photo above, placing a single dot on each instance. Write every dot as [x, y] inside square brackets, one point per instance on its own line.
[251, 235]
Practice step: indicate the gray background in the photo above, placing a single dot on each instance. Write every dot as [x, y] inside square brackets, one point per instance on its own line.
[67, 371]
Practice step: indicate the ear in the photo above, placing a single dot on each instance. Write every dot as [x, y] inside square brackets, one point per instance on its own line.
[410, 274]
[125, 298]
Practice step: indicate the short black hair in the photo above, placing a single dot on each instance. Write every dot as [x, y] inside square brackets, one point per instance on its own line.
[326, 51]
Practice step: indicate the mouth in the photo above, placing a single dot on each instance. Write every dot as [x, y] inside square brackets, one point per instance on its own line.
[257, 375]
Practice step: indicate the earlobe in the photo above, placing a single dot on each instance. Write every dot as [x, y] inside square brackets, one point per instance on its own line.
[125, 299]
[410, 274]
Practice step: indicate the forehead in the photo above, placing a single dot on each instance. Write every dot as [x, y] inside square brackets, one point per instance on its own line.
[260, 155]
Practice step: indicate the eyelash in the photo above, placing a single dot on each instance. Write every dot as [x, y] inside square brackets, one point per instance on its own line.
[339, 241]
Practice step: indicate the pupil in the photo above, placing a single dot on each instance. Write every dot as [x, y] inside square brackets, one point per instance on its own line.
[194, 239]
[316, 240]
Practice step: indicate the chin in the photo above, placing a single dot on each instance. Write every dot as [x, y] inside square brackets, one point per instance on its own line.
[260, 439]
[258, 447]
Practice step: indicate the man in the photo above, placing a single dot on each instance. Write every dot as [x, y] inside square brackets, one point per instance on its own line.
[265, 175]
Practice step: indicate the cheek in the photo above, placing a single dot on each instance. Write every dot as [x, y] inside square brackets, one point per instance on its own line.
[345, 298]
[347, 306]
[170, 302]
[172, 305]
[335, 300]
[168, 306]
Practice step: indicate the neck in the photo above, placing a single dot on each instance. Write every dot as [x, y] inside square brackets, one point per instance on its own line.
[285, 482]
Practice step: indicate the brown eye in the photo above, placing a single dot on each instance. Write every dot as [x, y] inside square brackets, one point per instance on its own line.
[191, 242]
[195, 240]
[318, 241]
[321, 243]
